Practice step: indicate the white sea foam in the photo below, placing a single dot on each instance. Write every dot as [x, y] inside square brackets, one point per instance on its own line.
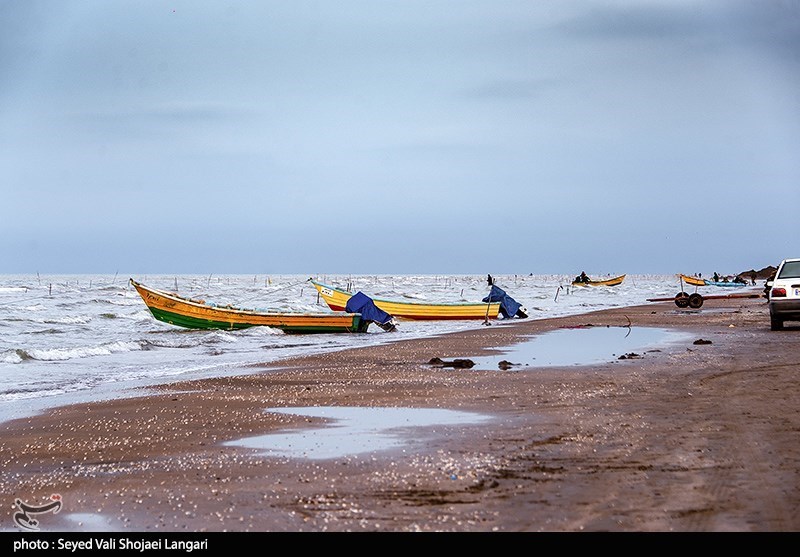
[262, 332]
[76, 320]
[10, 357]
[218, 336]
[60, 354]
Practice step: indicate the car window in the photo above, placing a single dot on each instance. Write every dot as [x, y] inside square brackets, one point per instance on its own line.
[791, 269]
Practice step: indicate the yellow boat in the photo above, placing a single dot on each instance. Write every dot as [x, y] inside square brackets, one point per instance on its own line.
[197, 314]
[608, 282]
[693, 281]
[336, 298]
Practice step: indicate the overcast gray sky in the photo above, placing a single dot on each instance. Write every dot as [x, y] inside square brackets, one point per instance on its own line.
[399, 137]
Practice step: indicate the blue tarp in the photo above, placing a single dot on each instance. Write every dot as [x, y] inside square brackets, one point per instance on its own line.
[508, 305]
[363, 304]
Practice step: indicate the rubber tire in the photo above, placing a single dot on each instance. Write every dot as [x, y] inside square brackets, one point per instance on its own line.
[682, 299]
[775, 324]
[695, 301]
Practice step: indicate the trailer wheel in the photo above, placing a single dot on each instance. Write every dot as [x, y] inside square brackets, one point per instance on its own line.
[682, 299]
[695, 300]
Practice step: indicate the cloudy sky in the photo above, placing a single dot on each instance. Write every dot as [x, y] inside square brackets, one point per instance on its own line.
[399, 136]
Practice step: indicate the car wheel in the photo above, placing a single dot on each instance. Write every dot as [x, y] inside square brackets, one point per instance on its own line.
[775, 324]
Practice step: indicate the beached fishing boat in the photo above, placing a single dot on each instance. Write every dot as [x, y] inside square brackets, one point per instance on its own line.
[693, 281]
[198, 314]
[336, 298]
[607, 282]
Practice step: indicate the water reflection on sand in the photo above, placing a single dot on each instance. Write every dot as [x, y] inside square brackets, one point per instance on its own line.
[353, 430]
[580, 346]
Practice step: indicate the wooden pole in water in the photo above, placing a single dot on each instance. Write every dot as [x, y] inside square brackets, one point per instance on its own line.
[488, 305]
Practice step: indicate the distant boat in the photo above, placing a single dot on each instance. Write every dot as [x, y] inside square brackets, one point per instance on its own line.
[694, 281]
[723, 283]
[608, 282]
[197, 314]
[336, 298]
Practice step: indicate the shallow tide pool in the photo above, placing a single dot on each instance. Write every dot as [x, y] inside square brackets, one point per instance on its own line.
[353, 430]
[580, 346]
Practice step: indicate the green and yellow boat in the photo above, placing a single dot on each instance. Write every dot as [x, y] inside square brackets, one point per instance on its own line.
[176, 310]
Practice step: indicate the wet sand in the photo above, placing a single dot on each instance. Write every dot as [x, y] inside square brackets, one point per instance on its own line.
[688, 437]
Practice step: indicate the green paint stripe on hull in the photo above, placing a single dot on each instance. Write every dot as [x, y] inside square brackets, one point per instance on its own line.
[195, 323]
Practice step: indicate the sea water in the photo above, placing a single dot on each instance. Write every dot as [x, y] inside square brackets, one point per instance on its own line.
[85, 337]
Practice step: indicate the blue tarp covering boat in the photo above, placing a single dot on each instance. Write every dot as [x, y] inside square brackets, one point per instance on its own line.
[363, 304]
[509, 307]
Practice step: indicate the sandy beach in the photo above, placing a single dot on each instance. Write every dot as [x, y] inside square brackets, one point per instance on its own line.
[692, 437]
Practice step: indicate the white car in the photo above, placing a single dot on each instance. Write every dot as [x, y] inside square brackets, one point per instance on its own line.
[784, 296]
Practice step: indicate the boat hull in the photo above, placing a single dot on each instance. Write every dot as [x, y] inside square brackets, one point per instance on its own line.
[196, 314]
[609, 282]
[693, 281]
[416, 311]
[725, 284]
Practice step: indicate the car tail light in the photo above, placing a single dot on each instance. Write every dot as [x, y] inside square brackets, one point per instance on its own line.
[778, 293]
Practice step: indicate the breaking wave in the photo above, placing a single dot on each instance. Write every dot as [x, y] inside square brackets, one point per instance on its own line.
[60, 354]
